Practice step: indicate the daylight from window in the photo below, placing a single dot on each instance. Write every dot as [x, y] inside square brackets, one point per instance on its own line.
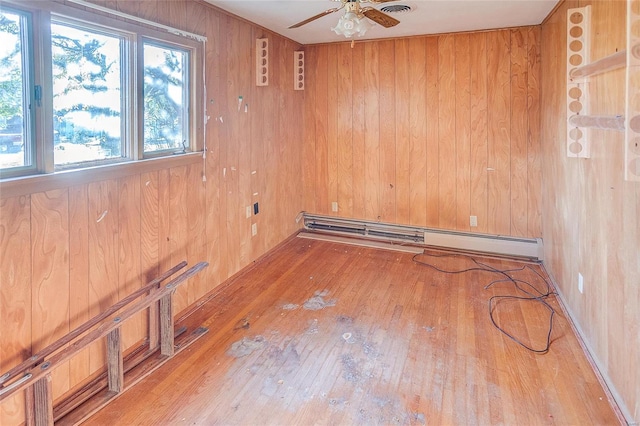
[87, 119]
[13, 105]
[165, 95]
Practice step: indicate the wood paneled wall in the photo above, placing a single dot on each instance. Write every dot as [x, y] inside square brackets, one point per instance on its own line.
[590, 214]
[427, 131]
[68, 253]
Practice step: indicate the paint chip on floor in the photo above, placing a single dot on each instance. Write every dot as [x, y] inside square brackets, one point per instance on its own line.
[246, 346]
[317, 302]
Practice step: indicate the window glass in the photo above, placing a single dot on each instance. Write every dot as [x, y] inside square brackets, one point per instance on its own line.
[165, 98]
[87, 94]
[15, 147]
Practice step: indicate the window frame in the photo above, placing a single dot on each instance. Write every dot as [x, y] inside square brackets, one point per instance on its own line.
[132, 98]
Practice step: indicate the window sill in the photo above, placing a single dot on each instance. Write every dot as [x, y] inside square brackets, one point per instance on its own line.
[24, 185]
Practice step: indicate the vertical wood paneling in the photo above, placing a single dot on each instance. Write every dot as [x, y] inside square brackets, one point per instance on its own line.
[333, 98]
[235, 108]
[103, 256]
[15, 285]
[50, 275]
[119, 233]
[433, 130]
[129, 253]
[179, 229]
[196, 236]
[242, 136]
[589, 213]
[519, 125]
[344, 138]
[358, 132]
[534, 174]
[499, 93]
[309, 149]
[219, 141]
[78, 275]
[387, 132]
[321, 113]
[479, 78]
[403, 131]
[446, 132]
[417, 97]
[372, 132]
[448, 123]
[463, 131]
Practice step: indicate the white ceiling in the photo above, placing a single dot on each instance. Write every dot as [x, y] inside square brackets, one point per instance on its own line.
[427, 16]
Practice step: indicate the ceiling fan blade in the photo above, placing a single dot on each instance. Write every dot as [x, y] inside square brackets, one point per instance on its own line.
[313, 18]
[379, 17]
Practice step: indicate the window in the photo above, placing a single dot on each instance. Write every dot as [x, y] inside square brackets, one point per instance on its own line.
[91, 90]
[16, 140]
[165, 97]
[87, 94]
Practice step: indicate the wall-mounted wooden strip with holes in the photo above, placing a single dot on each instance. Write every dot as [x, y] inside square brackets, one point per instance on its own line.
[262, 62]
[578, 46]
[298, 70]
[632, 135]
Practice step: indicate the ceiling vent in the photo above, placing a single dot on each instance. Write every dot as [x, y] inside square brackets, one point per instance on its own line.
[396, 8]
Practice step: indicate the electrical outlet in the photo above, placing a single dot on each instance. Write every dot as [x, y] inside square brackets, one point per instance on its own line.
[334, 206]
[248, 212]
[580, 283]
[256, 209]
[473, 221]
[254, 229]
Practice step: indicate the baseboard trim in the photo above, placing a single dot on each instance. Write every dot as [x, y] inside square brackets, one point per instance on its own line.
[531, 248]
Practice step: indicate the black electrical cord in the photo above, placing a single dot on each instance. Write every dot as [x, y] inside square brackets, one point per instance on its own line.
[532, 294]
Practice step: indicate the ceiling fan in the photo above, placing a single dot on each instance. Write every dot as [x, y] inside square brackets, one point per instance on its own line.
[353, 22]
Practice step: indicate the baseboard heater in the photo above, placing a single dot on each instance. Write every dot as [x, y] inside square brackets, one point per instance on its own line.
[495, 244]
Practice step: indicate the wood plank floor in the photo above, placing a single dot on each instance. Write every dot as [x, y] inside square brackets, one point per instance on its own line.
[395, 342]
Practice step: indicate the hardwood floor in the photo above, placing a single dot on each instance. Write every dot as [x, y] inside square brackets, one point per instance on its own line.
[395, 342]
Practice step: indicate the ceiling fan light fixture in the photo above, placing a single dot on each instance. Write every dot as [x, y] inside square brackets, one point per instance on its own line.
[350, 24]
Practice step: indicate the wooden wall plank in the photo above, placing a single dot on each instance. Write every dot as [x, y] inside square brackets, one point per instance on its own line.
[129, 254]
[344, 146]
[196, 235]
[78, 275]
[433, 131]
[387, 131]
[309, 149]
[446, 132]
[534, 166]
[220, 140]
[242, 136]
[103, 256]
[403, 131]
[358, 130]
[519, 125]
[323, 204]
[417, 99]
[479, 79]
[15, 285]
[333, 112]
[463, 131]
[499, 90]
[372, 131]
[50, 275]
[179, 229]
